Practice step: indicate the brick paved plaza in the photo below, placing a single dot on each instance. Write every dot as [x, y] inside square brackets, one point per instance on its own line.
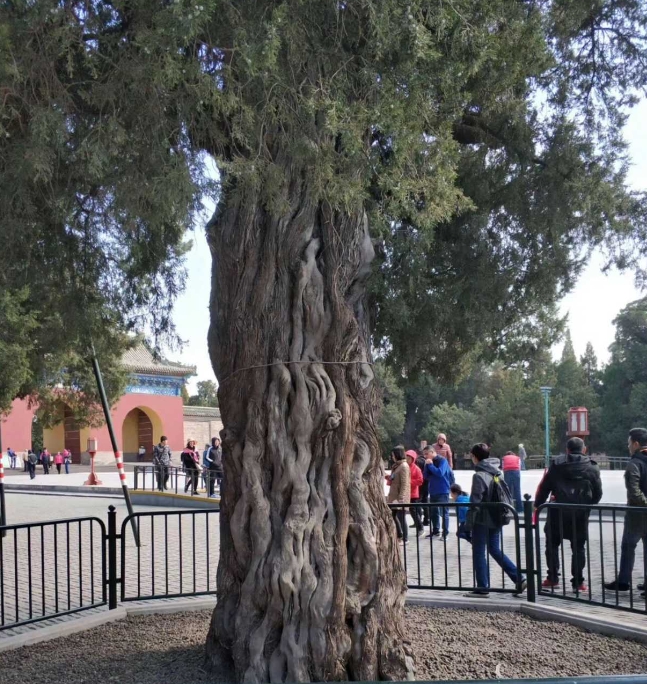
[179, 554]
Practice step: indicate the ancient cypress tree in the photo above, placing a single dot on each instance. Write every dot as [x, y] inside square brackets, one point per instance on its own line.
[475, 146]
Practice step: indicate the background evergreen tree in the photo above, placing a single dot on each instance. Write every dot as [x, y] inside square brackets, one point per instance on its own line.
[624, 393]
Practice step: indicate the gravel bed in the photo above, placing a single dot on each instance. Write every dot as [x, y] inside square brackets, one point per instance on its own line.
[448, 644]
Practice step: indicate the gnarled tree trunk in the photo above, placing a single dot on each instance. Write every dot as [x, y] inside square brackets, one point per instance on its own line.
[310, 582]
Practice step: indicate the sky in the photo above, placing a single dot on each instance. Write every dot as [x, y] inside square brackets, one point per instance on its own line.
[591, 306]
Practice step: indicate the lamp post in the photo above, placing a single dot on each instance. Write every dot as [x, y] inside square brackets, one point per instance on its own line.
[546, 392]
[93, 447]
[578, 422]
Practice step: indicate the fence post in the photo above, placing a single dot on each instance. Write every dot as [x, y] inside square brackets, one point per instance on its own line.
[530, 548]
[136, 476]
[112, 558]
[3, 504]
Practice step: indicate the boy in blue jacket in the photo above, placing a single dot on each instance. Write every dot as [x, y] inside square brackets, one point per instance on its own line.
[457, 495]
[440, 478]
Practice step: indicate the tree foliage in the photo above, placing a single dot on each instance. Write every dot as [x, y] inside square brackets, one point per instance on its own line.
[391, 421]
[624, 389]
[484, 138]
[98, 186]
[207, 394]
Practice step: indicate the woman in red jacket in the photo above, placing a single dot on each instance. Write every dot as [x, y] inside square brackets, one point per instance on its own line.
[416, 482]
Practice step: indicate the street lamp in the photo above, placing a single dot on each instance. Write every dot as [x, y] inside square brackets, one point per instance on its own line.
[546, 392]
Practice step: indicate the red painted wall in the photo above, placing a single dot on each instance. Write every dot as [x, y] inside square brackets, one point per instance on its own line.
[15, 429]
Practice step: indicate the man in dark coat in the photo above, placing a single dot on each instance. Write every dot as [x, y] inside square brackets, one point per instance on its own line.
[571, 479]
[214, 459]
[635, 527]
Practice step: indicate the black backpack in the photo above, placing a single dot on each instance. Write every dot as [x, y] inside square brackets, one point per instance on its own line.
[577, 490]
[499, 492]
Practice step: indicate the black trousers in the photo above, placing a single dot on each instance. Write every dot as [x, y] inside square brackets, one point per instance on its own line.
[417, 514]
[400, 517]
[577, 535]
[191, 480]
[424, 497]
[213, 475]
[162, 477]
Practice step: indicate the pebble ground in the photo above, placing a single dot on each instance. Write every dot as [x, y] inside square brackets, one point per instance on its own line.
[448, 645]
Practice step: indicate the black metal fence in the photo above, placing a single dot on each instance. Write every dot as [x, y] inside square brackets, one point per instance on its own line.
[177, 555]
[50, 569]
[178, 480]
[54, 568]
[447, 560]
[585, 547]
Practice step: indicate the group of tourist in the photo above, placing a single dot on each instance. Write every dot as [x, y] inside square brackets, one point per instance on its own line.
[60, 460]
[573, 478]
[209, 467]
[428, 478]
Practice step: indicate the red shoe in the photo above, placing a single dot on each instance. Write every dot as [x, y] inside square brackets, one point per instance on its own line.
[581, 589]
[549, 584]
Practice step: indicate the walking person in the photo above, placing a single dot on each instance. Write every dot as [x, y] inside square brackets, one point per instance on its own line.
[141, 453]
[190, 461]
[12, 458]
[58, 461]
[416, 481]
[443, 449]
[162, 462]
[215, 472]
[511, 464]
[440, 478]
[67, 460]
[635, 527]
[570, 479]
[45, 461]
[523, 456]
[486, 522]
[400, 491]
[31, 460]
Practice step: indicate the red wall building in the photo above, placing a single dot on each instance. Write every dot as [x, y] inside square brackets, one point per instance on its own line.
[151, 407]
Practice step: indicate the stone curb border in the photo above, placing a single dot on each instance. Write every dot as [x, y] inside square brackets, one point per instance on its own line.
[80, 624]
[141, 497]
[62, 489]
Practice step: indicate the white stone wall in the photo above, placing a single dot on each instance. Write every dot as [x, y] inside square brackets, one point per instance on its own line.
[202, 431]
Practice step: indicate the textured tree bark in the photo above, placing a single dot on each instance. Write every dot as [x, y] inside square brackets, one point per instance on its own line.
[310, 581]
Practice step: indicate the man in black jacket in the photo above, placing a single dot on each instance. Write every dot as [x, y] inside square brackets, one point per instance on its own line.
[571, 479]
[214, 459]
[635, 527]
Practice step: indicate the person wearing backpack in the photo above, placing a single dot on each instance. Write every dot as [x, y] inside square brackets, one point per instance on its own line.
[571, 479]
[486, 522]
[635, 527]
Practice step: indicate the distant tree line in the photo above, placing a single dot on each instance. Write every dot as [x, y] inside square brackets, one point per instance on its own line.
[502, 404]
